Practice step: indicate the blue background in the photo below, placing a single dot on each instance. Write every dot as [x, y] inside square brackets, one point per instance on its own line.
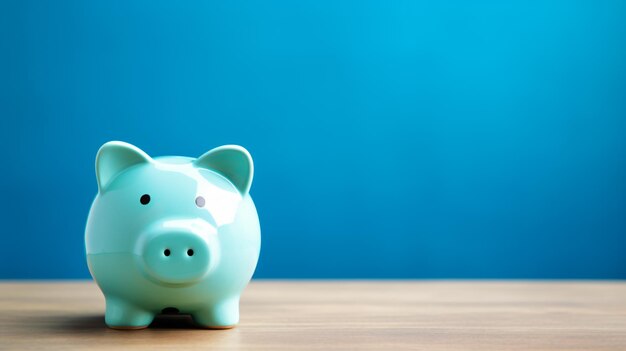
[392, 139]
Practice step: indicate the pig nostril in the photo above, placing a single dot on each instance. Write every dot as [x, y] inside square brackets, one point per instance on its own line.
[166, 252]
[190, 252]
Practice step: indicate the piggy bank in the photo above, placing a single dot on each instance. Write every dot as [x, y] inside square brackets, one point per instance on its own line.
[172, 234]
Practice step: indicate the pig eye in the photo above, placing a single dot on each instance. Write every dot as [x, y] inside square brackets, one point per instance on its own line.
[200, 201]
[145, 199]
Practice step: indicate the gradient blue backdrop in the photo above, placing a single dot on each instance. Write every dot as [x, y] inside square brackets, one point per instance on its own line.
[392, 139]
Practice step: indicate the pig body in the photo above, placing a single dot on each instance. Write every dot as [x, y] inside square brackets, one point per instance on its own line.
[172, 233]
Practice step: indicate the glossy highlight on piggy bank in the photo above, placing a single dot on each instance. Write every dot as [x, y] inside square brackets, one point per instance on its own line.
[172, 233]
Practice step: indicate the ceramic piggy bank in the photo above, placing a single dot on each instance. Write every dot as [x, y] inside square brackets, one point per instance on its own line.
[173, 233]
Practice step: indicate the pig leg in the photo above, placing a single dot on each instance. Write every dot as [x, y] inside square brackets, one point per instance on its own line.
[221, 315]
[123, 315]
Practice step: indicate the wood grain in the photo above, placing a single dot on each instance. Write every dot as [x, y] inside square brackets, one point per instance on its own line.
[325, 315]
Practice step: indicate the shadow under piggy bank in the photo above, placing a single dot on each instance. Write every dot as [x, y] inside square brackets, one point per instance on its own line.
[77, 331]
[169, 320]
[95, 323]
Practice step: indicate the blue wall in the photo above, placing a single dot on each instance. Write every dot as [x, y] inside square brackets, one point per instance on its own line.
[402, 139]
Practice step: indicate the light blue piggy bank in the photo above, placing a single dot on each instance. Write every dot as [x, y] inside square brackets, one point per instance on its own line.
[172, 233]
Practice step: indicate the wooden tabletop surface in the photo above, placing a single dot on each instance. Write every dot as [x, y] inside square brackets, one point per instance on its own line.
[331, 315]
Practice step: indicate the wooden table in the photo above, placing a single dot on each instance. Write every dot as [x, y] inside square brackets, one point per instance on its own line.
[330, 315]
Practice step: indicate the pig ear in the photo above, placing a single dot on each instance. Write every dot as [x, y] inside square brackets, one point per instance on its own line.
[114, 157]
[233, 162]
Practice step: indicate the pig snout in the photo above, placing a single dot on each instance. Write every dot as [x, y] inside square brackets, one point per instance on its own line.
[177, 254]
